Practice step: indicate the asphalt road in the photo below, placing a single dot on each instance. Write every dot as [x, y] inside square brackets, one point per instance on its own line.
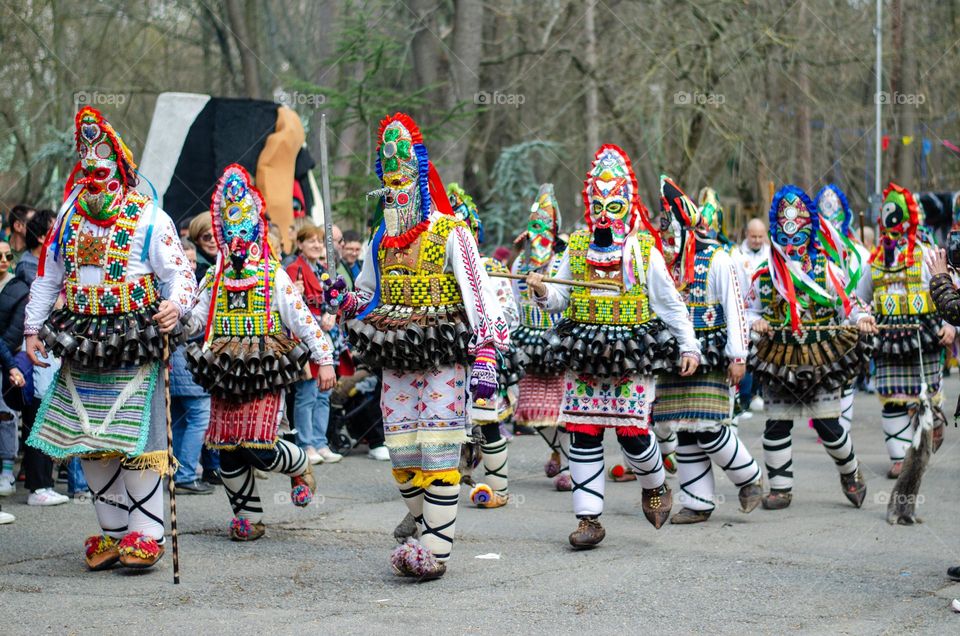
[820, 566]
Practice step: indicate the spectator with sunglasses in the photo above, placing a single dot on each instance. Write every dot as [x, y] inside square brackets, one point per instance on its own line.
[201, 235]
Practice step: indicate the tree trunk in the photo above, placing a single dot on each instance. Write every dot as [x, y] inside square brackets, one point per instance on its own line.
[464, 74]
[591, 98]
[236, 16]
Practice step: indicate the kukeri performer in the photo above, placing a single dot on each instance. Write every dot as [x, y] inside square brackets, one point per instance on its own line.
[541, 389]
[846, 252]
[110, 252]
[805, 353]
[493, 492]
[613, 342]
[248, 308]
[699, 408]
[897, 281]
[425, 309]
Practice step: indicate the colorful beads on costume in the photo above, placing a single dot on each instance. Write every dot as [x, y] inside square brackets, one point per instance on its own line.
[120, 298]
[243, 311]
[428, 290]
[586, 306]
[774, 307]
[915, 302]
[111, 253]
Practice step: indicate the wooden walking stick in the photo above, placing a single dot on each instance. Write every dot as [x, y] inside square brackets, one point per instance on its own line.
[611, 286]
[171, 484]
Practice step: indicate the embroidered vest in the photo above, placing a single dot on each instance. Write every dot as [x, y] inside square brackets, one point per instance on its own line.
[531, 315]
[774, 307]
[632, 307]
[705, 316]
[243, 311]
[413, 276]
[111, 253]
[916, 301]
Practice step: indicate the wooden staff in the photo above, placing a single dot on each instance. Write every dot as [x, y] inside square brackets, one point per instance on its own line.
[847, 327]
[611, 286]
[862, 240]
[327, 201]
[171, 484]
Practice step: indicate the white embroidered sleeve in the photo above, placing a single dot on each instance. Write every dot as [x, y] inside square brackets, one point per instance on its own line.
[723, 284]
[666, 302]
[43, 294]
[558, 296]
[297, 318]
[483, 310]
[169, 263]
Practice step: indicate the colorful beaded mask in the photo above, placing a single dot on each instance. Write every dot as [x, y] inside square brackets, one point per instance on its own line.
[465, 209]
[402, 166]
[711, 212]
[611, 197]
[896, 216]
[543, 226]
[678, 216]
[106, 164]
[833, 206]
[794, 223]
[239, 221]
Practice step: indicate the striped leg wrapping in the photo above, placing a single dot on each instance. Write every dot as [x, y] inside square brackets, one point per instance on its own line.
[439, 519]
[145, 500]
[586, 472]
[564, 447]
[104, 476]
[290, 459]
[413, 498]
[846, 408]
[495, 465]
[732, 457]
[897, 433]
[647, 465]
[241, 488]
[838, 445]
[666, 437]
[778, 456]
[696, 478]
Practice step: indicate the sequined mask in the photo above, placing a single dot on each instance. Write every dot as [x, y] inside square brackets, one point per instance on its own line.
[609, 191]
[466, 210]
[542, 227]
[401, 176]
[793, 229]
[830, 208]
[679, 215]
[104, 177]
[238, 219]
[894, 218]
